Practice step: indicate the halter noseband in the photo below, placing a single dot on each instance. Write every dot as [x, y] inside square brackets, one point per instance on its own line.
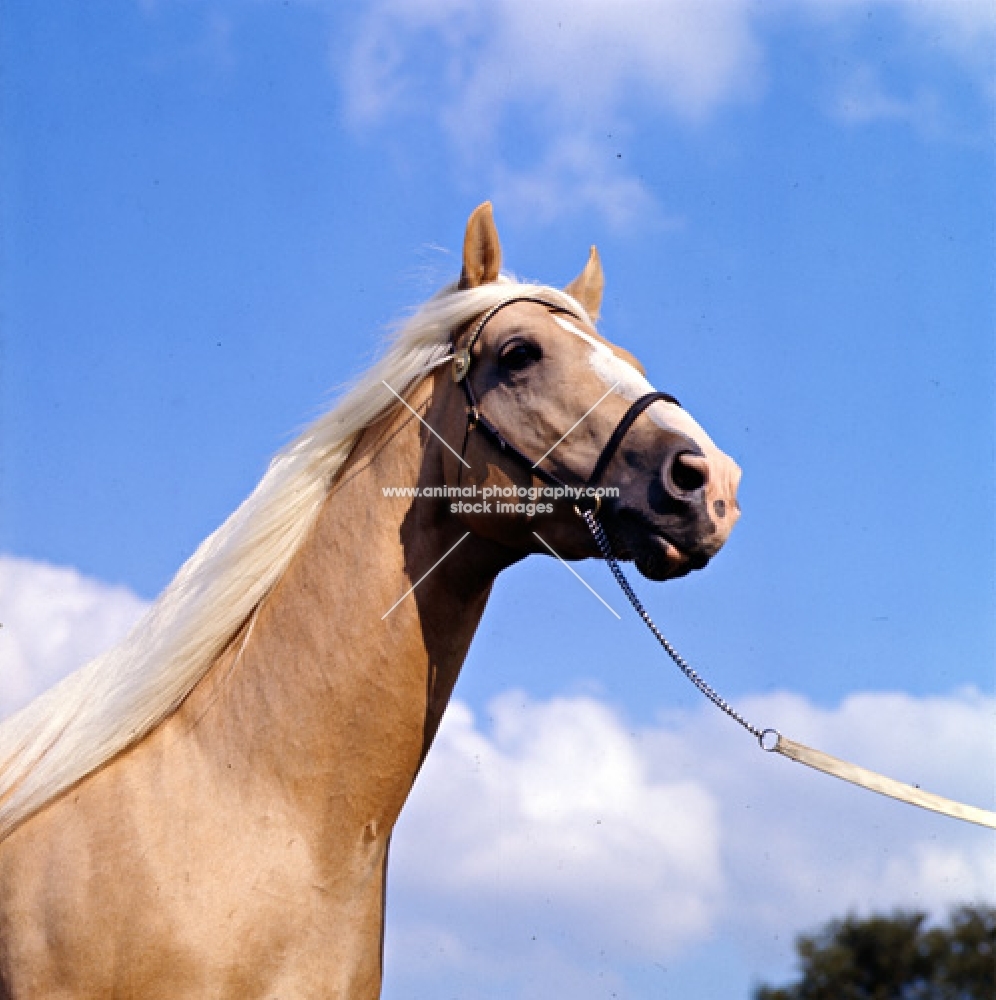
[462, 360]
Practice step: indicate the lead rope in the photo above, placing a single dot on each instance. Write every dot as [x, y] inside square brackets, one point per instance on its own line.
[771, 740]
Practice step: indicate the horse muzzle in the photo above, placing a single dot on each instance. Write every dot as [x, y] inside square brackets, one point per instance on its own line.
[683, 518]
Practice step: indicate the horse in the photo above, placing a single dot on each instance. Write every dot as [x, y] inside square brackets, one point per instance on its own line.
[206, 810]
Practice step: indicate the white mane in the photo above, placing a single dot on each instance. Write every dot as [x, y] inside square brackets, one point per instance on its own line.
[118, 698]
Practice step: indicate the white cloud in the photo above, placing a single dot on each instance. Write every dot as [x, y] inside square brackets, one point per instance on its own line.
[54, 620]
[557, 811]
[959, 33]
[558, 833]
[557, 70]
[576, 58]
[574, 176]
[964, 29]
[561, 82]
[863, 98]
[813, 847]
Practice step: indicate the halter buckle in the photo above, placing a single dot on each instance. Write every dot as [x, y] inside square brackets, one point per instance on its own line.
[461, 364]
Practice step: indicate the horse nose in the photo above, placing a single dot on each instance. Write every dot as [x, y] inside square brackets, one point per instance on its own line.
[685, 474]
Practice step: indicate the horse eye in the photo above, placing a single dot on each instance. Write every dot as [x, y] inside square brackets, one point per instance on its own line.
[518, 354]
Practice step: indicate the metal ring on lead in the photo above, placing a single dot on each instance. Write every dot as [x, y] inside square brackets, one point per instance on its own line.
[769, 739]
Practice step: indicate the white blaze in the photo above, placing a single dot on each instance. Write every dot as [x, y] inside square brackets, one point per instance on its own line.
[631, 385]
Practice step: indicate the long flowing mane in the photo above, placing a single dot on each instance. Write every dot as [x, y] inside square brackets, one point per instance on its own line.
[118, 698]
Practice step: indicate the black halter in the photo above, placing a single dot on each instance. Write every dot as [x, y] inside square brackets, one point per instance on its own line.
[462, 360]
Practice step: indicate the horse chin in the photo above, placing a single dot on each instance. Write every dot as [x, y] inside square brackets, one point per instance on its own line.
[660, 559]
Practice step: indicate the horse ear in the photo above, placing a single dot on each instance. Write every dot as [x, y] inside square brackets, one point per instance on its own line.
[481, 249]
[587, 286]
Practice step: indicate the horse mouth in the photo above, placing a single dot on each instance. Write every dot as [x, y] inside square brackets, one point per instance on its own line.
[658, 559]
[652, 550]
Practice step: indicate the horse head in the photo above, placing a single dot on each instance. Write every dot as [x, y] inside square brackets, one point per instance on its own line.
[551, 417]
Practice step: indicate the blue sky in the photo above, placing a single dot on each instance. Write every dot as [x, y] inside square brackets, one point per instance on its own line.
[212, 211]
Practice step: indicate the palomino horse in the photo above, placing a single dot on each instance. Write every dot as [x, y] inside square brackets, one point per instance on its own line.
[205, 811]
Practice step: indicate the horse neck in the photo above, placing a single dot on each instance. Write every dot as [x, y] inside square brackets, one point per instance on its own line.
[323, 697]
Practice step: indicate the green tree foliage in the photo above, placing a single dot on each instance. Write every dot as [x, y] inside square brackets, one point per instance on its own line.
[897, 958]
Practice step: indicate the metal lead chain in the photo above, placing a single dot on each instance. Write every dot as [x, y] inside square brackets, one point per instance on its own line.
[771, 739]
[602, 541]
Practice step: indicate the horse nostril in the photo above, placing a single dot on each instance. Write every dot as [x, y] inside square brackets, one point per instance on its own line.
[688, 473]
